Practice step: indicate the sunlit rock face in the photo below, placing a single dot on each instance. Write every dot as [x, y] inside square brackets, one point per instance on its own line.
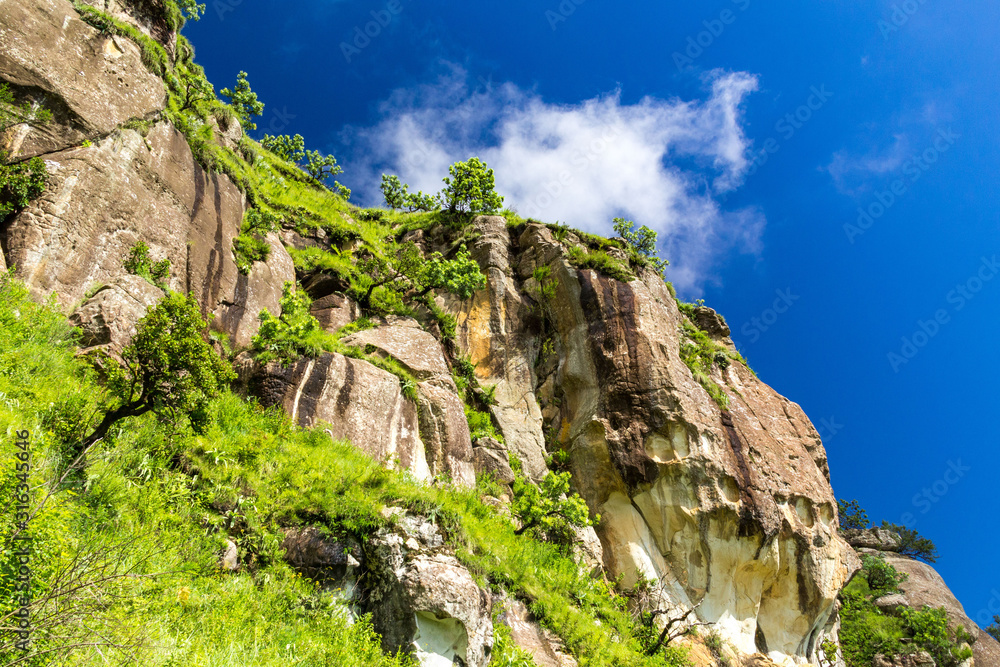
[730, 509]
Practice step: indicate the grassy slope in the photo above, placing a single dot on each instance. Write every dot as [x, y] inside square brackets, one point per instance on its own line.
[180, 495]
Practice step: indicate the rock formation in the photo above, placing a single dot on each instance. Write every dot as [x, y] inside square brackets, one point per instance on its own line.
[728, 509]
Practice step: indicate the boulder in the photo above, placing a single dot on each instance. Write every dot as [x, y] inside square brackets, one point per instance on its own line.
[921, 659]
[109, 316]
[102, 200]
[891, 604]
[711, 323]
[423, 601]
[322, 557]
[490, 458]
[91, 82]
[335, 311]
[231, 558]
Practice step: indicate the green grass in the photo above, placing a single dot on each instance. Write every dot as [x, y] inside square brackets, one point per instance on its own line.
[250, 473]
[601, 261]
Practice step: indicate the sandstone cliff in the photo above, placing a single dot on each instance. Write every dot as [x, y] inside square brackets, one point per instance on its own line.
[729, 509]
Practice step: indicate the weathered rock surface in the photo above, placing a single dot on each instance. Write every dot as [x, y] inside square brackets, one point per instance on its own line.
[731, 509]
[443, 426]
[545, 648]
[920, 659]
[890, 604]
[102, 200]
[109, 316]
[354, 401]
[490, 458]
[321, 557]
[424, 601]
[92, 83]
[872, 538]
[924, 586]
[494, 330]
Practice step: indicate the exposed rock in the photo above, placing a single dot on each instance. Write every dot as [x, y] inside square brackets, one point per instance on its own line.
[924, 586]
[335, 311]
[231, 559]
[588, 549]
[227, 133]
[732, 509]
[321, 557]
[891, 604]
[872, 538]
[110, 315]
[354, 401]
[92, 83]
[490, 458]
[921, 659]
[102, 200]
[545, 648]
[424, 601]
[711, 322]
[443, 425]
[149, 16]
[495, 330]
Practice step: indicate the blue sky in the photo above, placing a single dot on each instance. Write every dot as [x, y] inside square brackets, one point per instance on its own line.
[824, 174]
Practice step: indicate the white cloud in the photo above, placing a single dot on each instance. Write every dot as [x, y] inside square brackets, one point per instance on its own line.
[659, 162]
[852, 173]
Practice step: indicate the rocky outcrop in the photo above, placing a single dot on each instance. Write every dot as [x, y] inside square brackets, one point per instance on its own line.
[443, 426]
[924, 586]
[877, 539]
[921, 659]
[495, 329]
[91, 82]
[109, 316]
[423, 600]
[353, 400]
[321, 557]
[104, 199]
[731, 509]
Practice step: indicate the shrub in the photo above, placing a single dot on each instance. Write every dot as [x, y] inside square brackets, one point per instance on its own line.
[470, 188]
[994, 628]
[549, 508]
[289, 148]
[251, 245]
[601, 261]
[295, 333]
[642, 243]
[140, 264]
[882, 578]
[20, 183]
[929, 629]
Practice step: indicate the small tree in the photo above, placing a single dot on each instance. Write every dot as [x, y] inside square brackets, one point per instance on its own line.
[405, 269]
[321, 167]
[169, 367]
[296, 332]
[852, 515]
[549, 507]
[642, 242]
[289, 148]
[244, 102]
[470, 188]
[912, 544]
[394, 191]
[882, 577]
[197, 89]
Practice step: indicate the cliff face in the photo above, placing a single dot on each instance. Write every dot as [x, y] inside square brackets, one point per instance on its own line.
[730, 510]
